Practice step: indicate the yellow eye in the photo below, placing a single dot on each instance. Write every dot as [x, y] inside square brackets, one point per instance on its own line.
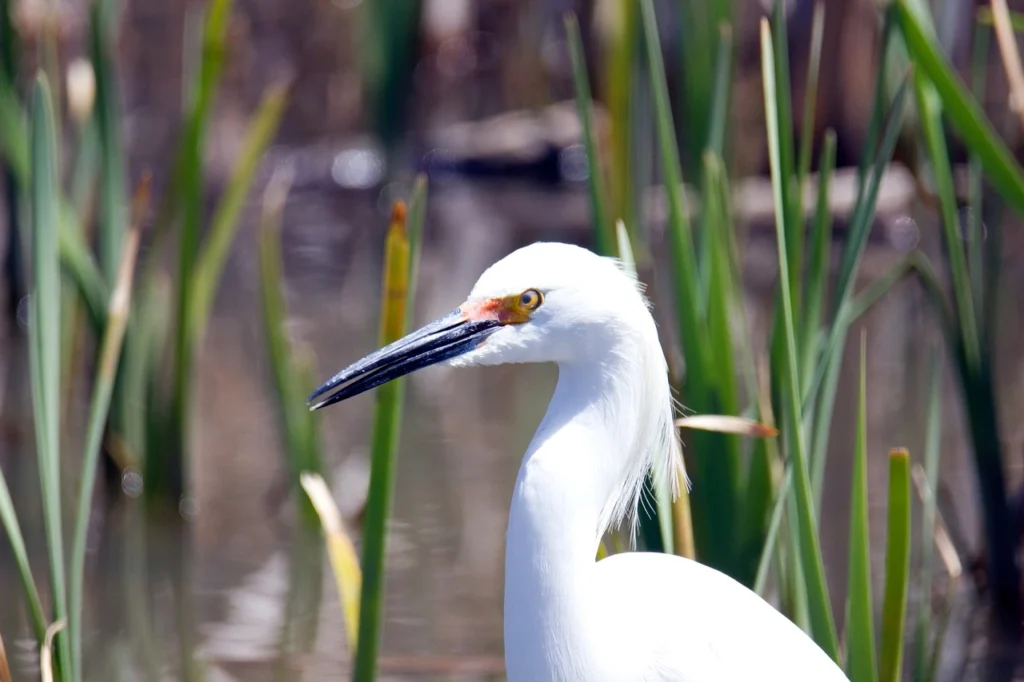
[530, 299]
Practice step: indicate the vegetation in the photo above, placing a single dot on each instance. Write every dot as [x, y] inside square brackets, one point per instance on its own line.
[138, 413]
[754, 511]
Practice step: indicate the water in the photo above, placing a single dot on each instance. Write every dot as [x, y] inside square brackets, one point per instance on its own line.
[247, 588]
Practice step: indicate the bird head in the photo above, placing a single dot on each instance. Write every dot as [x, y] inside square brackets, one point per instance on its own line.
[546, 302]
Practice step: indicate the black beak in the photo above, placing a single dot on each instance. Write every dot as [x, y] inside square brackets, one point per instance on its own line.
[443, 339]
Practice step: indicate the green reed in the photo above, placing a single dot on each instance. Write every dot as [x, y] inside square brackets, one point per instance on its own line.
[755, 504]
[137, 414]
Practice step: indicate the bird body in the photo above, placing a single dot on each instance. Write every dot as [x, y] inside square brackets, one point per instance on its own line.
[567, 617]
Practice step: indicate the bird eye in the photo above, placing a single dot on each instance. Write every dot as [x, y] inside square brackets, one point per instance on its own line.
[530, 299]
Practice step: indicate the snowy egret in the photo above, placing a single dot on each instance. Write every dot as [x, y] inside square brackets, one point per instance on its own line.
[633, 615]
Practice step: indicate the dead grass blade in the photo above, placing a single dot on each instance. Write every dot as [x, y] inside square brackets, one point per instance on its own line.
[739, 426]
[5, 670]
[943, 542]
[1011, 56]
[340, 550]
[45, 653]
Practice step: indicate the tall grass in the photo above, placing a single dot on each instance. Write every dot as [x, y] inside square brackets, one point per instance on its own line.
[110, 353]
[860, 620]
[44, 348]
[754, 510]
[401, 255]
[964, 304]
[291, 367]
[137, 414]
[751, 515]
[361, 586]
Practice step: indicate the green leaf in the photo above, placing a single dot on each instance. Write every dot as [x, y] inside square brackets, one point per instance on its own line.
[118, 310]
[112, 203]
[897, 568]
[13, 140]
[826, 372]
[811, 94]
[395, 301]
[80, 267]
[820, 258]
[931, 124]
[9, 44]
[714, 535]
[74, 253]
[296, 424]
[864, 210]
[860, 625]
[720, 101]
[822, 623]
[224, 224]
[879, 101]
[620, 67]
[856, 307]
[721, 465]
[960, 107]
[44, 344]
[9, 519]
[792, 208]
[684, 263]
[933, 433]
[603, 239]
[976, 250]
[415, 225]
[169, 476]
[771, 536]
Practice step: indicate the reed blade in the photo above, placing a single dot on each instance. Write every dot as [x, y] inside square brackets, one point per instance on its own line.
[819, 257]
[12, 528]
[720, 99]
[112, 195]
[5, 669]
[684, 261]
[224, 223]
[820, 608]
[932, 454]
[721, 460]
[340, 552]
[897, 568]
[118, 310]
[415, 226]
[165, 474]
[792, 208]
[960, 107]
[931, 123]
[976, 240]
[604, 241]
[860, 622]
[300, 438]
[44, 344]
[395, 301]
[811, 96]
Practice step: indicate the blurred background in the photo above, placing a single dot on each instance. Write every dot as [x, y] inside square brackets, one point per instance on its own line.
[220, 581]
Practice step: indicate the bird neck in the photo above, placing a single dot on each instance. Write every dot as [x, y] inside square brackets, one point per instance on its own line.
[567, 477]
[572, 466]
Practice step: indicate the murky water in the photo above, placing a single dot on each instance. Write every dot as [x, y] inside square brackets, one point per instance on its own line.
[245, 589]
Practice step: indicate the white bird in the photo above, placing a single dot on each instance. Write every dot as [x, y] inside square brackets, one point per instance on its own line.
[568, 617]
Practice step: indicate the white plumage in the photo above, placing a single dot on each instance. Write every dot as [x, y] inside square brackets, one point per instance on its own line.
[633, 616]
